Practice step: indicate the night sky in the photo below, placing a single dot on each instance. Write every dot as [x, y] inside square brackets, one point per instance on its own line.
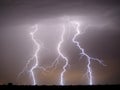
[101, 26]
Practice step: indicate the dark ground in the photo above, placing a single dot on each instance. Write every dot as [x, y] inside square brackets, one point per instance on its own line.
[51, 87]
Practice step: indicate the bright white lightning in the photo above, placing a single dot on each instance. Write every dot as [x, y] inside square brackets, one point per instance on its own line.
[35, 56]
[89, 70]
[65, 58]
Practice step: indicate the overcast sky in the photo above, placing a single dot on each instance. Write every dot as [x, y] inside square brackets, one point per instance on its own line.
[100, 21]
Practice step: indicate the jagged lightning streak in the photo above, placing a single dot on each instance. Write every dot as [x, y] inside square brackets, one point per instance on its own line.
[35, 56]
[89, 70]
[65, 58]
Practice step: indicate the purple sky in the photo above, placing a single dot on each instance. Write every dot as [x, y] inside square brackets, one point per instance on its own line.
[101, 23]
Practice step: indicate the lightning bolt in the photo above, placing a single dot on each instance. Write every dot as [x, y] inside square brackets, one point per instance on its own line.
[65, 58]
[89, 70]
[34, 57]
[56, 61]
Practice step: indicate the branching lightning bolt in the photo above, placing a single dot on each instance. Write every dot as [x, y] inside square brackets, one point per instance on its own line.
[65, 58]
[89, 70]
[34, 57]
